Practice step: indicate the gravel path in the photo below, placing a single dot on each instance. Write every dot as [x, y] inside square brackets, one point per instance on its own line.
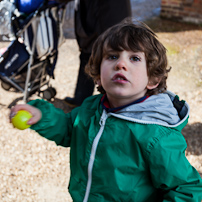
[35, 169]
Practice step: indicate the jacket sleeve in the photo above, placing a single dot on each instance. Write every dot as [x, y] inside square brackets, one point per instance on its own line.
[170, 170]
[54, 125]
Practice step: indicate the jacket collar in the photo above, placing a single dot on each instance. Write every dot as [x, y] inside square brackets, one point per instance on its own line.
[105, 103]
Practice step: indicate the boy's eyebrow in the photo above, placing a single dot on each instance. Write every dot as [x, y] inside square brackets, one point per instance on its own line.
[109, 51]
[139, 52]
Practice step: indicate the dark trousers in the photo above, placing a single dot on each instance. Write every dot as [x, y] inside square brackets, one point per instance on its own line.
[85, 84]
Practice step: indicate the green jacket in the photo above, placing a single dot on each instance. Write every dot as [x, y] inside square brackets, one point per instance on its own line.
[134, 155]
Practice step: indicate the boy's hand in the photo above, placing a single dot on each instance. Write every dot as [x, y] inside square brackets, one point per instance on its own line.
[36, 113]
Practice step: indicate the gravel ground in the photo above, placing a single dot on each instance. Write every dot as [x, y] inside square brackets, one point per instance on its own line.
[35, 169]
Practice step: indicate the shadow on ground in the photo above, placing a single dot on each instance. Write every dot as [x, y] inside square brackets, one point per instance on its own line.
[164, 25]
[193, 142]
[58, 103]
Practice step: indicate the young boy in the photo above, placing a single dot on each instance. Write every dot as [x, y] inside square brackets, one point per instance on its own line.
[126, 143]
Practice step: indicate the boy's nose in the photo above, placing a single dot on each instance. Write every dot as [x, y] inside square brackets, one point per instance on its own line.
[121, 64]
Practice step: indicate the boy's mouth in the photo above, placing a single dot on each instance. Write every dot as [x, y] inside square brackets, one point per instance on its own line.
[119, 77]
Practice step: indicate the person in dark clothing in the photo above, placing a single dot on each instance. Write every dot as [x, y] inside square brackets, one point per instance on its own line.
[91, 19]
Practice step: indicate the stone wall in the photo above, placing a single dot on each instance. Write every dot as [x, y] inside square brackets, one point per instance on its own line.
[182, 10]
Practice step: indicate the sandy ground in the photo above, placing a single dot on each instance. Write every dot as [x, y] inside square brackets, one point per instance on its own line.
[35, 169]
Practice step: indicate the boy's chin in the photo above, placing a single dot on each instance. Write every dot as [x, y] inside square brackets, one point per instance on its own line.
[117, 95]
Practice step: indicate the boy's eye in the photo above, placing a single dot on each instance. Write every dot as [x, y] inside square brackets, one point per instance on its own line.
[112, 57]
[135, 58]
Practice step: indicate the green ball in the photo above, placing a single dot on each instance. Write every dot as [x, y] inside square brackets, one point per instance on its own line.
[19, 121]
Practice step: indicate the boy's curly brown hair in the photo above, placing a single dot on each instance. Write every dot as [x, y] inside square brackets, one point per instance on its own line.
[137, 37]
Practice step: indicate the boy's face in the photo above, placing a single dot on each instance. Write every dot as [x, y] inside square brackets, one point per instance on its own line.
[123, 75]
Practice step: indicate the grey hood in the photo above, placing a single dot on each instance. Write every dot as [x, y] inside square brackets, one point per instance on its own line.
[157, 109]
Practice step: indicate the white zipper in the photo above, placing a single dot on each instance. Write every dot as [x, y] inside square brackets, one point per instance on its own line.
[93, 152]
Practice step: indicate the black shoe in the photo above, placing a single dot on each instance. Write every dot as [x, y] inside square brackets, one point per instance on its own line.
[72, 102]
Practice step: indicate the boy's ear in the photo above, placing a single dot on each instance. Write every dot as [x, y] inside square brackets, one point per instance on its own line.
[153, 84]
[98, 81]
